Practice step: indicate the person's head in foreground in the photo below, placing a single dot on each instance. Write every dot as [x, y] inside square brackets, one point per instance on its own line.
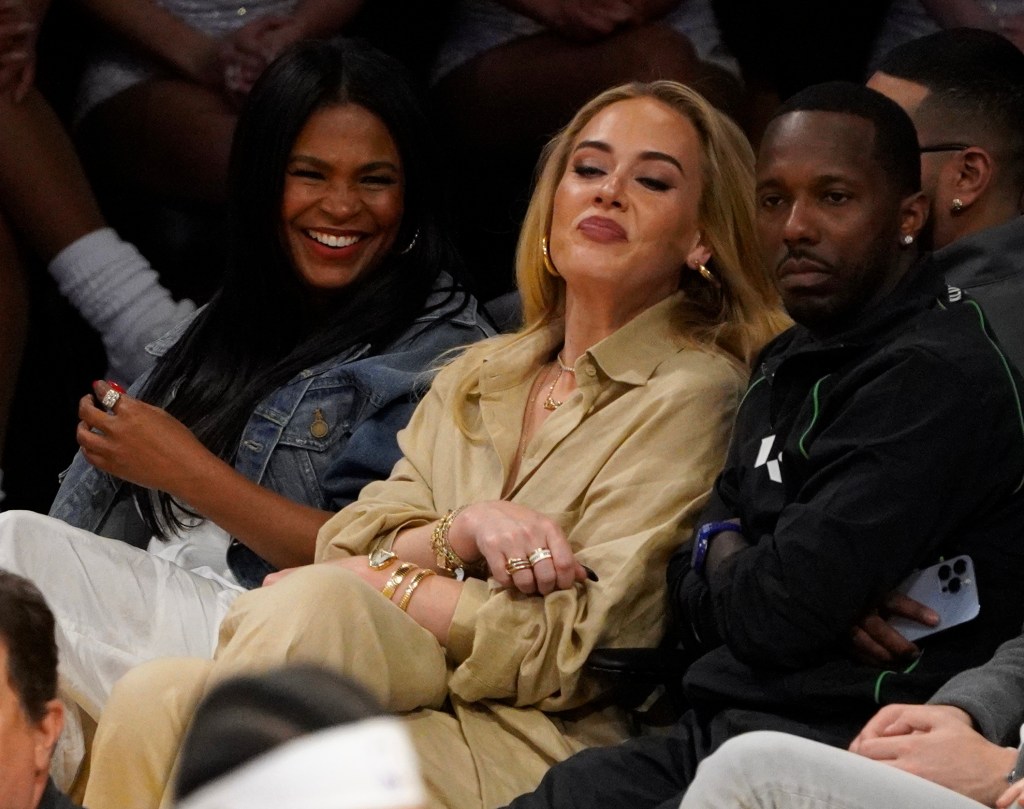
[31, 716]
[839, 206]
[299, 737]
[964, 90]
[646, 192]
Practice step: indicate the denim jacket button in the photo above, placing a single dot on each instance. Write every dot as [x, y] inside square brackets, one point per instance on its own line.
[319, 428]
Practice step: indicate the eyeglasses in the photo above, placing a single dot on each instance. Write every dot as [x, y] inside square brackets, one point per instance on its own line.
[944, 147]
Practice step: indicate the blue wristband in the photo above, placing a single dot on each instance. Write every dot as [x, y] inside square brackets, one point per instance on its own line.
[705, 534]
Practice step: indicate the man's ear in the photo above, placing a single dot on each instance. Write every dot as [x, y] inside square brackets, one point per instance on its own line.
[974, 171]
[913, 214]
[47, 731]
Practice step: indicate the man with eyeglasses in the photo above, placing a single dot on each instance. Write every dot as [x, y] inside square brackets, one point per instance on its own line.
[964, 90]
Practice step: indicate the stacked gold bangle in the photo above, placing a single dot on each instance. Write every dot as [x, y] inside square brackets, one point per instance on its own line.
[421, 574]
[391, 585]
[448, 560]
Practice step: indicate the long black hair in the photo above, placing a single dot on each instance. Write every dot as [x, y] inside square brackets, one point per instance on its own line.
[263, 327]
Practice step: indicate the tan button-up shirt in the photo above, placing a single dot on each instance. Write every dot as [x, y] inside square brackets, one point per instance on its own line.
[623, 466]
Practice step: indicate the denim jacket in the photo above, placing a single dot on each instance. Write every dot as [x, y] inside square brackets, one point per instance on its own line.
[317, 440]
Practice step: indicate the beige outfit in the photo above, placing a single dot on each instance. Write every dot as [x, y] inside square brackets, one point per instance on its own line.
[624, 466]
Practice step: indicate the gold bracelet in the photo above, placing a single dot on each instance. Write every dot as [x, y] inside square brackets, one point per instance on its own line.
[388, 589]
[447, 559]
[421, 574]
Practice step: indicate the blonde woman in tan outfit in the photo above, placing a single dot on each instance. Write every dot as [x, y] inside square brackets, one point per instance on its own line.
[590, 439]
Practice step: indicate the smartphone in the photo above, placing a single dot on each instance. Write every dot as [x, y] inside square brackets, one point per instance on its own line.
[949, 588]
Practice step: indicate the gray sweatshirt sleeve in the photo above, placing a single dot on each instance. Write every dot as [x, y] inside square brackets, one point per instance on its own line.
[993, 694]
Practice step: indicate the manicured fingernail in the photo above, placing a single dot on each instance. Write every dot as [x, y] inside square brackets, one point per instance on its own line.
[116, 387]
[591, 574]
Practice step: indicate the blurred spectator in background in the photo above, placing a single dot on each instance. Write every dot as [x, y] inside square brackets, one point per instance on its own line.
[512, 72]
[911, 19]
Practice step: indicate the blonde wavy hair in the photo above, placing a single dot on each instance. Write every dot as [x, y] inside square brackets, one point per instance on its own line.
[737, 319]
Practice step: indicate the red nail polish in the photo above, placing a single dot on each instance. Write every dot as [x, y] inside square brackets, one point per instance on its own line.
[116, 387]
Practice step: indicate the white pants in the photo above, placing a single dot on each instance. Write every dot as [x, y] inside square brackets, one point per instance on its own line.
[115, 605]
[769, 770]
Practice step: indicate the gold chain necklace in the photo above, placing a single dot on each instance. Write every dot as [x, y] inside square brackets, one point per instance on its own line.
[550, 402]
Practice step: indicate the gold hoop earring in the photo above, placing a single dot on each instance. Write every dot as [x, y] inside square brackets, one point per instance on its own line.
[548, 264]
[708, 276]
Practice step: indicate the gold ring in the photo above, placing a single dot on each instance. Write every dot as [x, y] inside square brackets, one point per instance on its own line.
[110, 398]
[539, 554]
[517, 564]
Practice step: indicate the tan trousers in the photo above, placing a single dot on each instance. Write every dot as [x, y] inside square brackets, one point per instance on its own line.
[321, 614]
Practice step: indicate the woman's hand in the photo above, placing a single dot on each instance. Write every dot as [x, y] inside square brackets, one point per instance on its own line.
[18, 33]
[138, 442]
[239, 72]
[267, 36]
[498, 532]
[254, 46]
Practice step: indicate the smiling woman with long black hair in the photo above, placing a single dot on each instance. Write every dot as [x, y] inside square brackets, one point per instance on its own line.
[271, 408]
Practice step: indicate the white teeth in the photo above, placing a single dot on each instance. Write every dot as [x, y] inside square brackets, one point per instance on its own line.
[331, 240]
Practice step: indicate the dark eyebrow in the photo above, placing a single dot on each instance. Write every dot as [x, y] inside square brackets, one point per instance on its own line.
[379, 164]
[828, 179]
[667, 158]
[601, 146]
[819, 181]
[375, 165]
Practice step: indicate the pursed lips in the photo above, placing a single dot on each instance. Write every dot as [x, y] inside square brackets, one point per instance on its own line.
[602, 229]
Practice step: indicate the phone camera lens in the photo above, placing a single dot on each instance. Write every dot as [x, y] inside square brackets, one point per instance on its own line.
[959, 567]
[945, 572]
[954, 585]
